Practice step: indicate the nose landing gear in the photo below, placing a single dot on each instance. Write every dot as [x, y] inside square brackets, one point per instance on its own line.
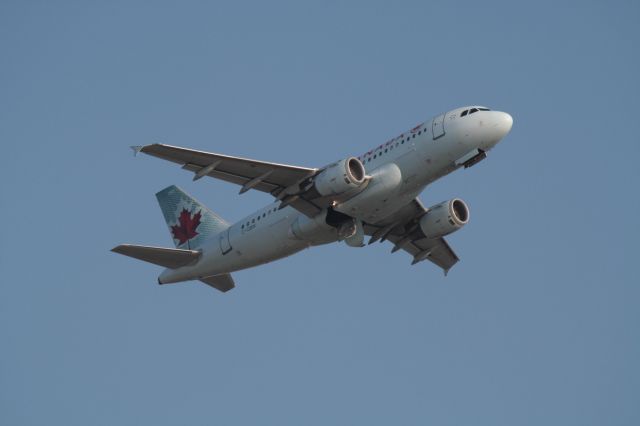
[471, 158]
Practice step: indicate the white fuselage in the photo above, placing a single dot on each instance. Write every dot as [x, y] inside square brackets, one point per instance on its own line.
[398, 169]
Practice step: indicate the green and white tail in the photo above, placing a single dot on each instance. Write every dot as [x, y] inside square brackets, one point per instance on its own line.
[190, 223]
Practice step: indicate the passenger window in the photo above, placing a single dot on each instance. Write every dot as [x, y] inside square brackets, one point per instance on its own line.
[386, 150]
[464, 113]
[414, 135]
[420, 132]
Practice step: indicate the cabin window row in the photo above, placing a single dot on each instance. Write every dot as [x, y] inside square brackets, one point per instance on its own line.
[257, 218]
[390, 147]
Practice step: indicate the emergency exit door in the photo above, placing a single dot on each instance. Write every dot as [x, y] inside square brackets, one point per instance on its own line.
[437, 127]
[225, 242]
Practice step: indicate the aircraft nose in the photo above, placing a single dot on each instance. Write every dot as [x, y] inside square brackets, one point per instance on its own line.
[504, 123]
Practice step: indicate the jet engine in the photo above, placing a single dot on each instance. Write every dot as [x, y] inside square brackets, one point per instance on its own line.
[343, 176]
[444, 218]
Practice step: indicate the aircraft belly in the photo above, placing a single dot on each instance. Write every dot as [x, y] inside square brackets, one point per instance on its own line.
[264, 243]
[313, 230]
[379, 194]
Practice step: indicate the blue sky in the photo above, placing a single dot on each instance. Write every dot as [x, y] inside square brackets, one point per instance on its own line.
[538, 324]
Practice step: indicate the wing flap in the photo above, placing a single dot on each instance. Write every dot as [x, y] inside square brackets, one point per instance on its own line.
[263, 186]
[440, 253]
[167, 257]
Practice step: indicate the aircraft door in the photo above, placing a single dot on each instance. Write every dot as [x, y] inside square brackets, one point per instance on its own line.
[437, 126]
[225, 242]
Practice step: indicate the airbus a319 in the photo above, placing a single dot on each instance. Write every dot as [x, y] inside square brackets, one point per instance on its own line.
[372, 195]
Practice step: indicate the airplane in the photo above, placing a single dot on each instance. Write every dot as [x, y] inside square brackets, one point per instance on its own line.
[374, 195]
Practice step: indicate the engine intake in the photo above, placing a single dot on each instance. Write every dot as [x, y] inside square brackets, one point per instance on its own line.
[340, 177]
[444, 218]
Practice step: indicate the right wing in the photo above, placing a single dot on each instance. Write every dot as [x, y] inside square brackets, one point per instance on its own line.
[287, 183]
[436, 250]
[402, 229]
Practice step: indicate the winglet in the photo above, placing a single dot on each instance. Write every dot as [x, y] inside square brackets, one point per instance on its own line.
[136, 149]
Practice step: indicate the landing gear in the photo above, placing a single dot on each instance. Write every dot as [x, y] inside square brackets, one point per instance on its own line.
[347, 229]
[350, 230]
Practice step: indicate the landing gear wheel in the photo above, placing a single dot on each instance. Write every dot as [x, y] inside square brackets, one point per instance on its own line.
[347, 229]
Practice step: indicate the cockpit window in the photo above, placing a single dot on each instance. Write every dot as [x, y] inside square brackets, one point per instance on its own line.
[472, 110]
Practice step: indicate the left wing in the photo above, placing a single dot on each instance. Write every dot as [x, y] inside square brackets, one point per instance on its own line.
[402, 229]
[280, 180]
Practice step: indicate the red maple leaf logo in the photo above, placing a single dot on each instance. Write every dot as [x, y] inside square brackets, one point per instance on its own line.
[185, 229]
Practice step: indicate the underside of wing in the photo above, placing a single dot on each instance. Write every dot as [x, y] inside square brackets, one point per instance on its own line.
[436, 250]
[279, 180]
[402, 229]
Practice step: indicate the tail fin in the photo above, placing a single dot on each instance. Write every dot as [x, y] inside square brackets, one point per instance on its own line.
[190, 223]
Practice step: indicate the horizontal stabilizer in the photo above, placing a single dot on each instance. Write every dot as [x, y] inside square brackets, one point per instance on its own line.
[167, 257]
[223, 282]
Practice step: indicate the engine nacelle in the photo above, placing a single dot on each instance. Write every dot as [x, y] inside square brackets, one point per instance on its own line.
[444, 218]
[343, 176]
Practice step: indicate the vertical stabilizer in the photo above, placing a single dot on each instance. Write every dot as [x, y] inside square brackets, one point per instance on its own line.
[190, 223]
